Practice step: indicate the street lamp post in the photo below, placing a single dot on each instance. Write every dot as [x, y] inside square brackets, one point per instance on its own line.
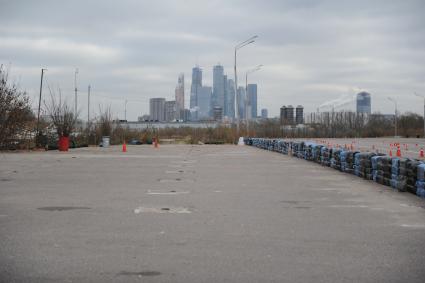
[237, 47]
[75, 84]
[247, 100]
[246, 84]
[395, 117]
[421, 96]
[88, 105]
[125, 110]
[39, 103]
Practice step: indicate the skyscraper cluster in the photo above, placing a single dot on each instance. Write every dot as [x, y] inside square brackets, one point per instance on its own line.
[206, 102]
[218, 102]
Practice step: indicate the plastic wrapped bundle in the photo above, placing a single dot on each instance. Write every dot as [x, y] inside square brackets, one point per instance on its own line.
[316, 152]
[343, 158]
[364, 167]
[349, 162]
[357, 164]
[383, 169]
[326, 156]
[421, 172]
[412, 175]
[336, 159]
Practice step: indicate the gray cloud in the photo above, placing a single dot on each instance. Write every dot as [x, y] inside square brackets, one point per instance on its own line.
[312, 51]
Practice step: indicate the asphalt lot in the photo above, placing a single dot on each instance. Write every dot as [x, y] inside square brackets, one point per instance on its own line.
[185, 213]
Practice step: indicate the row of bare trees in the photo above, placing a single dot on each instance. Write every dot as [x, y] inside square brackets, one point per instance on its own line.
[343, 124]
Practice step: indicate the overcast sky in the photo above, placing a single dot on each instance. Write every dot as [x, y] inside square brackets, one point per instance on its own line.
[312, 51]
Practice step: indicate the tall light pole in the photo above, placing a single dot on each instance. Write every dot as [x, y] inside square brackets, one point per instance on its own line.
[39, 101]
[75, 84]
[246, 85]
[125, 110]
[421, 96]
[395, 117]
[88, 106]
[237, 47]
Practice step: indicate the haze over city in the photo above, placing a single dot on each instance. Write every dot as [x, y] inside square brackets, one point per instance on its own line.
[312, 51]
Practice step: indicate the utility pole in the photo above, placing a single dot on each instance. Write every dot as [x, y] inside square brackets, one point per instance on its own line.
[75, 84]
[421, 96]
[125, 110]
[88, 106]
[239, 46]
[39, 103]
[395, 115]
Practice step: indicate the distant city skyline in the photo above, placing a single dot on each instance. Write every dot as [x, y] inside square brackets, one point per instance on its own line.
[312, 51]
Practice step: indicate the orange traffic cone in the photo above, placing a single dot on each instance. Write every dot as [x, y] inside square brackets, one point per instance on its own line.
[421, 153]
[124, 147]
[398, 152]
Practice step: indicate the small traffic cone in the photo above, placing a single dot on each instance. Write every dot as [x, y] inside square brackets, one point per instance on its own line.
[398, 152]
[124, 147]
[421, 153]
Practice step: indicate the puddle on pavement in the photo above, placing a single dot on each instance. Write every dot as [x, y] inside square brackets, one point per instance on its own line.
[174, 171]
[294, 201]
[175, 180]
[139, 274]
[163, 209]
[164, 192]
[185, 161]
[62, 208]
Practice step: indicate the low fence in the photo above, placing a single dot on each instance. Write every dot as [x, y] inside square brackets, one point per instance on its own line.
[402, 174]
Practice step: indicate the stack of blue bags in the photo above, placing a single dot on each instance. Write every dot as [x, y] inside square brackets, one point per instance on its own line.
[420, 183]
[374, 161]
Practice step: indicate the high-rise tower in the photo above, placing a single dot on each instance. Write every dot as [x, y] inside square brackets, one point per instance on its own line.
[230, 99]
[251, 96]
[218, 86]
[194, 90]
[179, 94]
[363, 103]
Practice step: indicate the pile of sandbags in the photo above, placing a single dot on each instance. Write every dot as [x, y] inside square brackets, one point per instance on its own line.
[402, 174]
[411, 175]
[363, 164]
[398, 174]
[420, 183]
[316, 153]
[381, 169]
[347, 161]
[326, 154]
[336, 159]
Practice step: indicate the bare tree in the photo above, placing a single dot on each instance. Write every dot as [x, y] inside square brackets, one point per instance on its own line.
[15, 112]
[61, 114]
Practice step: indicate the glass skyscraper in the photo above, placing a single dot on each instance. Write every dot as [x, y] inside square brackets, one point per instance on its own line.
[218, 86]
[194, 90]
[363, 103]
[252, 100]
[204, 103]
